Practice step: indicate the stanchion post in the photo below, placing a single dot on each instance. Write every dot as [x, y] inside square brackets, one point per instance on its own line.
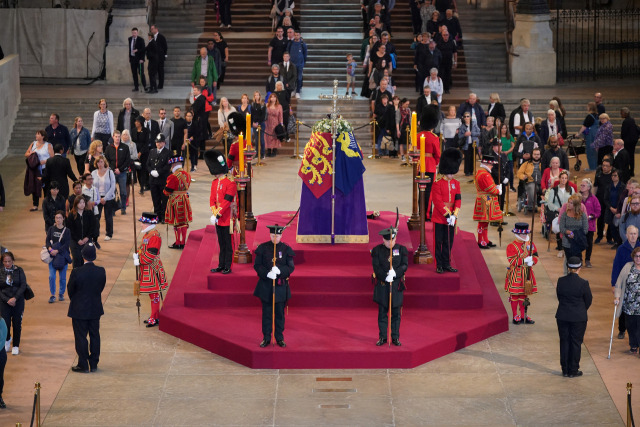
[250, 220]
[225, 135]
[475, 164]
[629, 413]
[506, 201]
[295, 155]
[242, 255]
[413, 223]
[259, 146]
[37, 388]
[373, 142]
[422, 254]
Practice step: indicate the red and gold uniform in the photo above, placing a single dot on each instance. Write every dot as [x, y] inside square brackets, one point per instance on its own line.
[446, 198]
[432, 158]
[234, 157]
[487, 207]
[223, 202]
[152, 276]
[517, 251]
[178, 212]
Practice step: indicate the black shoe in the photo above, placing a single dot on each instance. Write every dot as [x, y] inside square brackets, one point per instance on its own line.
[439, 270]
[396, 342]
[175, 246]
[155, 323]
[529, 321]
[484, 246]
[281, 343]
[135, 89]
[97, 245]
[381, 341]
[517, 322]
[226, 271]
[141, 192]
[491, 244]
[598, 240]
[451, 269]
[575, 374]
[94, 369]
[615, 246]
[153, 91]
[565, 374]
[621, 336]
[217, 270]
[2, 404]
[79, 369]
[265, 342]
[610, 242]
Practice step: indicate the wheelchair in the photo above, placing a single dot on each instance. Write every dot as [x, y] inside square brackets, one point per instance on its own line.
[523, 197]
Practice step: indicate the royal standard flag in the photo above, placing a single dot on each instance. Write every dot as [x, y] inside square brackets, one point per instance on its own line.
[349, 166]
[316, 169]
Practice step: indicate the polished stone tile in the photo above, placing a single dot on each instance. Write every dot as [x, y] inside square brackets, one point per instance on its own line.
[111, 385]
[103, 412]
[452, 411]
[152, 363]
[430, 385]
[149, 340]
[308, 412]
[306, 386]
[206, 363]
[229, 386]
[461, 361]
[575, 409]
[211, 411]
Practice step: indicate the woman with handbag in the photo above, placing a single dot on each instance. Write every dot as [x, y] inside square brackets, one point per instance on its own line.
[43, 150]
[627, 296]
[13, 284]
[274, 118]
[80, 141]
[258, 118]
[57, 243]
[284, 98]
[555, 198]
[574, 226]
[53, 203]
[105, 182]
[82, 226]
[468, 133]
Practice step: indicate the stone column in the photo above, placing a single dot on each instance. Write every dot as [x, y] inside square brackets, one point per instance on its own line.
[118, 69]
[491, 4]
[534, 59]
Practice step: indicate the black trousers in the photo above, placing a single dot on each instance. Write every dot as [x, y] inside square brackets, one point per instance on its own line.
[3, 363]
[88, 351]
[587, 256]
[159, 200]
[631, 149]
[600, 222]
[136, 68]
[266, 321]
[603, 151]
[443, 241]
[76, 253]
[13, 316]
[104, 137]
[571, 336]
[633, 327]
[622, 324]
[469, 158]
[80, 163]
[152, 69]
[383, 322]
[160, 69]
[108, 216]
[226, 249]
[225, 12]
[143, 173]
[445, 72]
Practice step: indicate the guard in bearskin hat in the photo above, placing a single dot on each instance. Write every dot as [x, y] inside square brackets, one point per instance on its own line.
[428, 122]
[446, 198]
[178, 212]
[522, 254]
[487, 208]
[223, 202]
[237, 123]
[153, 279]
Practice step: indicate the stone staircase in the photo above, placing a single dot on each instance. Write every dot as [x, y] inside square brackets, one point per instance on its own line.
[484, 46]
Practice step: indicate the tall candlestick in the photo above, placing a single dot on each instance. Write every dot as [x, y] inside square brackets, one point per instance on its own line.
[241, 149]
[248, 131]
[414, 130]
[422, 159]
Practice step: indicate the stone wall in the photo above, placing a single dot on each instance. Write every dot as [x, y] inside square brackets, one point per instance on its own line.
[118, 69]
[9, 99]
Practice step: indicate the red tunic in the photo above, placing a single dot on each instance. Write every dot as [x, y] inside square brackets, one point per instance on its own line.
[178, 212]
[487, 207]
[152, 275]
[517, 251]
[431, 150]
[446, 199]
[223, 199]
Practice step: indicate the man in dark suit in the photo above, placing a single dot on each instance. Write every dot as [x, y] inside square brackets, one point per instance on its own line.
[136, 59]
[85, 287]
[574, 299]
[423, 101]
[289, 73]
[153, 56]
[58, 168]
[161, 44]
[159, 170]
[629, 132]
[200, 120]
[621, 160]
[151, 126]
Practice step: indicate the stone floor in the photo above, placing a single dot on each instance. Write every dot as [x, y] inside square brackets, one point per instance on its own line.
[149, 378]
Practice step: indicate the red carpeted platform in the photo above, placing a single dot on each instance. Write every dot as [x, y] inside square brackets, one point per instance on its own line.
[332, 319]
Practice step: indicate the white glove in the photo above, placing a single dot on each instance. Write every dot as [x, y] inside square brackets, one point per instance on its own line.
[271, 275]
[505, 181]
[213, 219]
[392, 273]
[275, 269]
[500, 190]
[452, 220]
[389, 278]
[154, 173]
[136, 259]
[529, 261]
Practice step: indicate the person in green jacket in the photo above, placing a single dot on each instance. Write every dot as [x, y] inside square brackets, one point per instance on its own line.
[205, 66]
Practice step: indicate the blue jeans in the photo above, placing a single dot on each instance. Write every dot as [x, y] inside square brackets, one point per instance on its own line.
[300, 68]
[592, 157]
[121, 180]
[52, 279]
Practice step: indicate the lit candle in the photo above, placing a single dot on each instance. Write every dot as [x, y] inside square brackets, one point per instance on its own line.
[241, 149]
[248, 131]
[414, 130]
[422, 159]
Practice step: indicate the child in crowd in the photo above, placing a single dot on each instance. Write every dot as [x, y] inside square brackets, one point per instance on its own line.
[351, 74]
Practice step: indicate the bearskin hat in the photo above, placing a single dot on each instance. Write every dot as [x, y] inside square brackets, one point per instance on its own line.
[430, 117]
[215, 162]
[450, 161]
[237, 123]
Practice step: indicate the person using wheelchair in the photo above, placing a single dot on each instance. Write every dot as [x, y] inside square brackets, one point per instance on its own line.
[555, 197]
[530, 176]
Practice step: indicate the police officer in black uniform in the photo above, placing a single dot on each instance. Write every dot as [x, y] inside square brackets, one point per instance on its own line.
[383, 277]
[574, 299]
[159, 170]
[274, 264]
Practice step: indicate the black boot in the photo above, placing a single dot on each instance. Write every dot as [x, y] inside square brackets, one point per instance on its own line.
[268, 152]
[274, 152]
